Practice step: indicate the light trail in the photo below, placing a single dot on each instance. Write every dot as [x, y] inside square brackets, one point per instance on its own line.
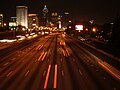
[55, 77]
[47, 77]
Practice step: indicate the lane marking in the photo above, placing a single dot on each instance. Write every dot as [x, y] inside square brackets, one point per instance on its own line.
[80, 72]
[40, 47]
[63, 52]
[18, 55]
[67, 52]
[44, 73]
[13, 59]
[27, 73]
[47, 76]
[55, 77]
[6, 64]
[29, 48]
[61, 59]
[35, 60]
[62, 73]
[9, 73]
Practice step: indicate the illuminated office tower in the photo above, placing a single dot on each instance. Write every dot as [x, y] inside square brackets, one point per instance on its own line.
[1, 20]
[66, 18]
[33, 21]
[21, 14]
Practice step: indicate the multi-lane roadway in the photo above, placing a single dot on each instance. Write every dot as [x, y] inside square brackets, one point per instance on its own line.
[55, 62]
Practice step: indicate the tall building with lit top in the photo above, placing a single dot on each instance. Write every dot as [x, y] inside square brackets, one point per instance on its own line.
[22, 16]
[45, 15]
[1, 20]
[45, 10]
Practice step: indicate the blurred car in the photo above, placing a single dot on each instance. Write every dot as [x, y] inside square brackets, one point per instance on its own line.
[81, 38]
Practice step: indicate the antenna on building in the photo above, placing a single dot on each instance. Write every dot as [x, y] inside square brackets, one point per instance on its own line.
[45, 10]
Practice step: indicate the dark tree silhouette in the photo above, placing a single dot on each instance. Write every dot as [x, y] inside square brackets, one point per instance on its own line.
[114, 41]
[106, 28]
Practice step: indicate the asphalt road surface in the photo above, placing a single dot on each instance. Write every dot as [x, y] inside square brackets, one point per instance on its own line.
[54, 62]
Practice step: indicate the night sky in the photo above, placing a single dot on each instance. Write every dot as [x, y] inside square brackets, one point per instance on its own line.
[100, 10]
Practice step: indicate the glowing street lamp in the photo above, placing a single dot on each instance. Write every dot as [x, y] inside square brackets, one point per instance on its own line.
[5, 24]
[86, 29]
[94, 29]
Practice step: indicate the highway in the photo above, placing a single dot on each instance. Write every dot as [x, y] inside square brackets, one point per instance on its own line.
[55, 62]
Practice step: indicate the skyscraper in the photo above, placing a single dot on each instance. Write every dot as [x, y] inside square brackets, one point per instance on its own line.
[45, 16]
[45, 10]
[33, 20]
[54, 19]
[22, 16]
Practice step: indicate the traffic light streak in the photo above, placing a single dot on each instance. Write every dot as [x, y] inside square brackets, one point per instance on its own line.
[42, 56]
[47, 77]
[39, 47]
[55, 77]
[66, 53]
[110, 69]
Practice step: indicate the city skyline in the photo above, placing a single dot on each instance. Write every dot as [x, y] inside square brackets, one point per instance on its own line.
[59, 45]
[101, 11]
